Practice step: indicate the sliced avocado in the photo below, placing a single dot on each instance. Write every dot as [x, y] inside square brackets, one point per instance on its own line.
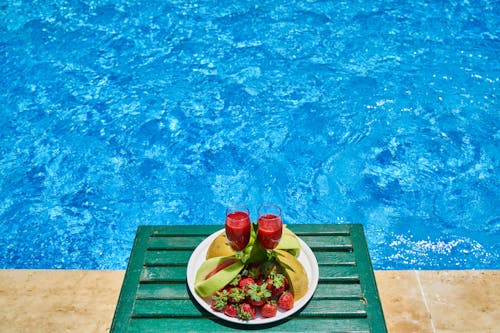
[206, 287]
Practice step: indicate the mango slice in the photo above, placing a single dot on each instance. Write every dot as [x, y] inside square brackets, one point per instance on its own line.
[295, 272]
[220, 247]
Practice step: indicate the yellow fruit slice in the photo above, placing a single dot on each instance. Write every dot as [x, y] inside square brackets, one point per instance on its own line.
[220, 247]
[295, 272]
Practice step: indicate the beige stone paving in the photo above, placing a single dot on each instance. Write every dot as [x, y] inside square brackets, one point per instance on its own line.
[402, 302]
[58, 301]
[413, 301]
[463, 301]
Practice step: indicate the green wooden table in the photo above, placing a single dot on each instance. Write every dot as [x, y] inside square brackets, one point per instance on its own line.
[155, 297]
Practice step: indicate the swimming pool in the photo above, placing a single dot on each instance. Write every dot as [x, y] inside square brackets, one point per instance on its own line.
[120, 113]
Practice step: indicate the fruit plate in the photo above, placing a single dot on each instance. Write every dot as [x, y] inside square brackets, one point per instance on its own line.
[306, 258]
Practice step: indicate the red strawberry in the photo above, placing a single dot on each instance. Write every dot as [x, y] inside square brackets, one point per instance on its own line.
[285, 301]
[269, 309]
[219, 300]
[235, 295]
[277, 283]
[234, 282]
[246, 311]
[244, 282]
[257, 295]
[231, 310]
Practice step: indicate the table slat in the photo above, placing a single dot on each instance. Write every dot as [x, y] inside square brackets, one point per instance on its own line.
[169, 257]
[179, 291]
[320, 308]
[150, 325]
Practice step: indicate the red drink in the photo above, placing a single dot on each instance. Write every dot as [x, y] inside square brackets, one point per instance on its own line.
[270, 226]
[238, 227]
[270, 229]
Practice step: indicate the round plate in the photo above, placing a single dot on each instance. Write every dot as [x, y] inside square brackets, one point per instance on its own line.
[306, 258]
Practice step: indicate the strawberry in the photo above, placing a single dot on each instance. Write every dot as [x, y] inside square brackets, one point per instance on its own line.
[219, 300]
[269, 309]
[244, 282]
[231, 310]
[285, 301]
[257, 295]
[246, 311]
[277, 283]
[234, 282]
[235, 295]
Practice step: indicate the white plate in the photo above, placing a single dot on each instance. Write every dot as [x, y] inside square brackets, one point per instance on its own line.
[306, 258]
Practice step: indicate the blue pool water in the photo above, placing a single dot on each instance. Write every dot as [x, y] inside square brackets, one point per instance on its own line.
[121, 113]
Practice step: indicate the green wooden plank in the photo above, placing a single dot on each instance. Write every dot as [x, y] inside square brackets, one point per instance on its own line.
[186, 308]
[320, 229]
[335, 258]
[338, 273]
[367, 280]
[163, 274]
[175, 242]
[316, 242]
[162, 291]
[179, 291]
[165, 308]
[338, 290]
[328, 243]
[131, 282]
[343, 308]
[185, 230]
[318, 325]
[169, 257]
[316, 229]
[300, 229]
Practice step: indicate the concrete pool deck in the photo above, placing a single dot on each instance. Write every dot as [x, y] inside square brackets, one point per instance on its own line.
[413, 301]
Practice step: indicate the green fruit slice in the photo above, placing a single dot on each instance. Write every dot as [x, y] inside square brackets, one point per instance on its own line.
[215, 273]
[289, 242]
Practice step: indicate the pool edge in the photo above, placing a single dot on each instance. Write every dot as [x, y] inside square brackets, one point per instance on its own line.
[413, 301]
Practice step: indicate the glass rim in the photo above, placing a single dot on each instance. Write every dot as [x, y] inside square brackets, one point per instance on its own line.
[274, 209]
[237, 208]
